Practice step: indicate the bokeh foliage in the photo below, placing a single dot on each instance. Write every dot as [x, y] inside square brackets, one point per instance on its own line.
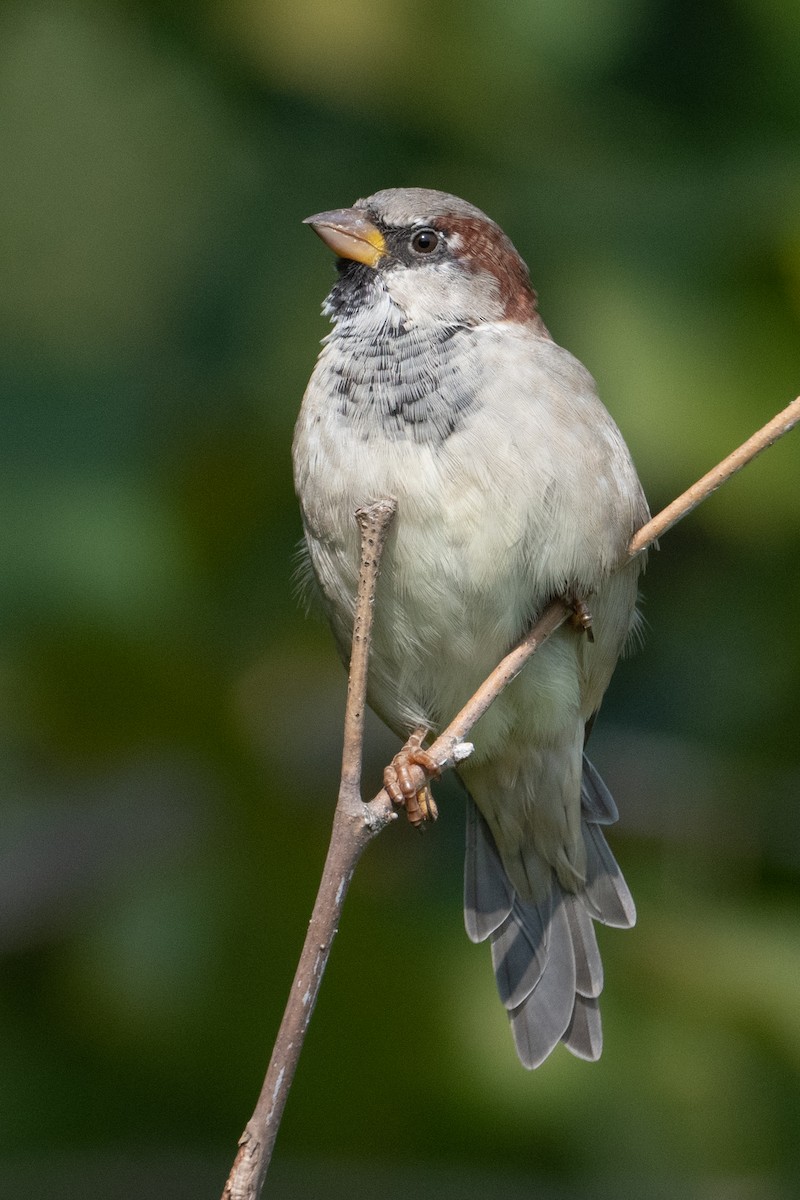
[170, 720]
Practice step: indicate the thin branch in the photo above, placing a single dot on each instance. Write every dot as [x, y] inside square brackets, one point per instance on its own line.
[373, 523]
[356, 823]
[718, 475]
[353, 828]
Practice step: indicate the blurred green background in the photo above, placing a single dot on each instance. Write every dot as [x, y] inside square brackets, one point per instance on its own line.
[170, 719]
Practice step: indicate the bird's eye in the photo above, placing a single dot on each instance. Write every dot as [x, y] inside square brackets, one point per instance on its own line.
[425, 242]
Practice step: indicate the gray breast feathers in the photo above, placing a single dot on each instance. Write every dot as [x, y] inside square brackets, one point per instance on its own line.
[400, 385]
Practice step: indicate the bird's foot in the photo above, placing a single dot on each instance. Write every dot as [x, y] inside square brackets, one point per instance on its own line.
[581, 618]
[419, 804]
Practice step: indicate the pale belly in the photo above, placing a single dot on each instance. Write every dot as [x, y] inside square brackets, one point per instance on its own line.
[454, 596]
[476, 550]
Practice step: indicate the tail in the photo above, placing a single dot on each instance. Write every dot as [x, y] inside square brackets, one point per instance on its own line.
[545, 956]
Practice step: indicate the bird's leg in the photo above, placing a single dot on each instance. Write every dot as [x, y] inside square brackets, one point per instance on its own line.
[419, 804]
[581, 618]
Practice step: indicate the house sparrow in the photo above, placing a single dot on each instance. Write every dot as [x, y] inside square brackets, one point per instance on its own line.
[440, 385]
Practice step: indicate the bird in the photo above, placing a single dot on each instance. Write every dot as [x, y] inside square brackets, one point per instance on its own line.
[440, 386]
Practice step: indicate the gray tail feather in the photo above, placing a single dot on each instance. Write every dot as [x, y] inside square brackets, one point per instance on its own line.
[545, 956]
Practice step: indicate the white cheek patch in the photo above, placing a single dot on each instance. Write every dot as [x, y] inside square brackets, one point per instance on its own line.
[444, 293]
[423, 292]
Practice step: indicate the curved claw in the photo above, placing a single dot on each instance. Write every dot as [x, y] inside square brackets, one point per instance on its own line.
[419, 804]
[581, 617]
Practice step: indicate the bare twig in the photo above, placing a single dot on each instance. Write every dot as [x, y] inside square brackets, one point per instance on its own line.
[356, 823]
[674, 512]
[353, 828]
